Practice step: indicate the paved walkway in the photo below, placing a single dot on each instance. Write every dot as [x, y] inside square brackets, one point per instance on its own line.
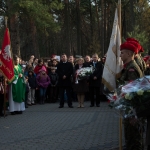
[47, 127]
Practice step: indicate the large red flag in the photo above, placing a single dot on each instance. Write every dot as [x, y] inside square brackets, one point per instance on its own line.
[6, 61]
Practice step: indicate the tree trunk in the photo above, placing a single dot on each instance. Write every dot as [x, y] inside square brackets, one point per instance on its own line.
[14, 34]
[105, 28]
[132, 15]
[91, 22]
[108, 27]
[97, 16]
[78, 24]
[102, 26]
[67, 29]
[35, 50]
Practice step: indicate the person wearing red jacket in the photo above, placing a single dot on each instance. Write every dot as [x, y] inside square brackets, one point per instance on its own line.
[39, 66]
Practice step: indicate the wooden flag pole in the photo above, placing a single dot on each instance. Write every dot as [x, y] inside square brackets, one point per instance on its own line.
[6, 19]
[120, 133]
[4, 97]
[119, 16]
[120, 119]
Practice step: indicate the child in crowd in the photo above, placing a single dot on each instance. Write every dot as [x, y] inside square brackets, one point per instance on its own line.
[54, 81]
[48, 94]
[54, 63]
[26, 91]
[1, 94]
[25, 70]
[43, 81]
[32, 87]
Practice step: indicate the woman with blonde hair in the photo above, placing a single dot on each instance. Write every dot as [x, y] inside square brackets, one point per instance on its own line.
[82, 87]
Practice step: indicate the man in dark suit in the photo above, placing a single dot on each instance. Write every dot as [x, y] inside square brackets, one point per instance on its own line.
[95, 81]
[65, 70]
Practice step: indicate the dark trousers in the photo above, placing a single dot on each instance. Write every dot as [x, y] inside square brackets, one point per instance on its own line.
[94, 91]
[37, 95]
[148, 132]
[133, 136]
[1, 103]
[48, 94]
[73, 95]
[87, 96]
[26, 98]
[68, 92]
[53, 94]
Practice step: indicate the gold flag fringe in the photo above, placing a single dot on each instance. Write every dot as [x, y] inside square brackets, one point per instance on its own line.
[107, 84]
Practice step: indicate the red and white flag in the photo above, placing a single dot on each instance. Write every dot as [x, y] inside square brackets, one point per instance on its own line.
[6, 61]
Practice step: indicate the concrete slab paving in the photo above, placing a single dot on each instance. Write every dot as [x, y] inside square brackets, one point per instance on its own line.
[47, 127]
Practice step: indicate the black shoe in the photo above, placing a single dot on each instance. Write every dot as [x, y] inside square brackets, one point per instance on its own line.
[98, 105]
[60, 106]
[13, 113]
[91, 105]
[70, 106]
[18, 112]
[1, 115]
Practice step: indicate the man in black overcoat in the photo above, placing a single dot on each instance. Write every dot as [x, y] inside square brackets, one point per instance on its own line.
[65, 70]
[95, 81]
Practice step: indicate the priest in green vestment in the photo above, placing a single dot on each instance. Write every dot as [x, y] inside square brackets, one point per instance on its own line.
[17, 90]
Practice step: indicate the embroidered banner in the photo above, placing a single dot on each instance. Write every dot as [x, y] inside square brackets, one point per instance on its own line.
[6, 61]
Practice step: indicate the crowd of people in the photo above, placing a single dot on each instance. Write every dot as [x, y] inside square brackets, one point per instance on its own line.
[38, 81]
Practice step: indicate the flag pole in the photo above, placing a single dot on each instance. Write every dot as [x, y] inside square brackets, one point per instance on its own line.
[119, 16]
[120, 119]
[4, 97]
[6, 19]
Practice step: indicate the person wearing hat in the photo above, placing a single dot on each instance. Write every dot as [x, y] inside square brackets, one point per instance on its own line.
[146, 114]
[138, 58]
[43, 81]
[130, 72]
[147, 61]
[142, 60]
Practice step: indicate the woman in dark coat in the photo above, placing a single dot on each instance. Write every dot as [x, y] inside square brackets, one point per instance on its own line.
[82, 87]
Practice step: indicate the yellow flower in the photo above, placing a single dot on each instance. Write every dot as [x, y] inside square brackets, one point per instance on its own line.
[140, 92]
[128, 96]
